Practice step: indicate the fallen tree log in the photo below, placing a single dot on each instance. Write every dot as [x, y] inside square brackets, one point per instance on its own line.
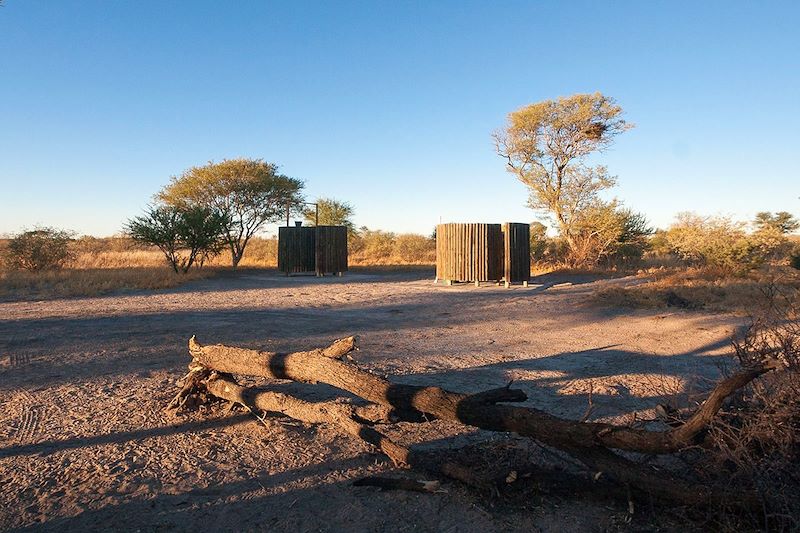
[409, 402]
[342, 414]
[352, 419]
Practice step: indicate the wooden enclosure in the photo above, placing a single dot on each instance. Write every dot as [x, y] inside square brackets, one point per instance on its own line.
[517, 252]
[331, 249]
[483, 252]
[320, 249]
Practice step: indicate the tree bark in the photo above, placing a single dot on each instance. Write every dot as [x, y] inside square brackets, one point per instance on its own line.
[410, 402]
[585, 441]
[354, 420]
[342, 414]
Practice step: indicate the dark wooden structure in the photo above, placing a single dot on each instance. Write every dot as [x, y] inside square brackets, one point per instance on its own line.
[469, 252]
[331, 249]
[483, 252]
[296, 249]
[318, 249]
[516, 252]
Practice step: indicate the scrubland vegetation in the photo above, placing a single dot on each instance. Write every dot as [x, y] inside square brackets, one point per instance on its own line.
[92, 265]
[714, 263]
[212, 217]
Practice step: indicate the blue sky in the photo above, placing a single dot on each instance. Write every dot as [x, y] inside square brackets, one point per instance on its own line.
[389, 105]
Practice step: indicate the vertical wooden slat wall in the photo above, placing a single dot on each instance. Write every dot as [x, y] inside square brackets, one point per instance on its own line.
[469, 252]
[517, 251]
[296, 249]
[308, 249]
[331, 249]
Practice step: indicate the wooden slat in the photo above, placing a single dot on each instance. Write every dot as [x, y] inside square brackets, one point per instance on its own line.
[331, 249]
[517, 251]
[308, 249]
[295, 249]
[469, 252]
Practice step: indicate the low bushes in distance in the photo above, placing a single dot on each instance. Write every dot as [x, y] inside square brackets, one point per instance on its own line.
[42, 248]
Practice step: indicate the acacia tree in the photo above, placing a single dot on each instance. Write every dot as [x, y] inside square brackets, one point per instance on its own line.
[186, 236]
[546, 146]
[783, 222]
[248, 192]
[331, 213]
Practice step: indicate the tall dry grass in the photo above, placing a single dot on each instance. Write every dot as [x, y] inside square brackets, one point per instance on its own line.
[98, 266]
[68, 282]
[103, 265]
[701, 288]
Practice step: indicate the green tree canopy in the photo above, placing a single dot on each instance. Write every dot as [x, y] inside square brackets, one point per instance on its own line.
[331, 213]
[782, 222]
[185, 235]
[248, 192]
[546, 145]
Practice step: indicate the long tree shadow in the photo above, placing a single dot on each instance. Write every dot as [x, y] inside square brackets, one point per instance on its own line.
[615, 381]
[60, 445]
[150, 341]
[262, 503]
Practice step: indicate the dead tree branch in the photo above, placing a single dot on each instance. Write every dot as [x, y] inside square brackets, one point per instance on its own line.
[409, 402]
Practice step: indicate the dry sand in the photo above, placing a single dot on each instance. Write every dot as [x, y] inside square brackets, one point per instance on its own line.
[85, 445]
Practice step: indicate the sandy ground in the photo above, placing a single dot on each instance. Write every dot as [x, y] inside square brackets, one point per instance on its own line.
[85, 444]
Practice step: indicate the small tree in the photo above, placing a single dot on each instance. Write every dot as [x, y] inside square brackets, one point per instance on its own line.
[39, 249]
[607, 232]
[248, 192]
[782, 222]
[186, 236]
[331, 213]
[546, 146]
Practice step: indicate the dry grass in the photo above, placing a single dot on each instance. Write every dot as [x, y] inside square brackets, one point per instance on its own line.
[22, 285]
[125, 259]
[693, 288]
[100, 266]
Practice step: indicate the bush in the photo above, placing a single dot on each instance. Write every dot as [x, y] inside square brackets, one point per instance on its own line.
[376, 247]
[87, 244]
[414, 248]
[755, 444]
[603, 234]
[186, 236]
[539, 241]
[722, 244]
[38, 249]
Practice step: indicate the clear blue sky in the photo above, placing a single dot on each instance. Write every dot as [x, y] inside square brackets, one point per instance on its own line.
[389, 105]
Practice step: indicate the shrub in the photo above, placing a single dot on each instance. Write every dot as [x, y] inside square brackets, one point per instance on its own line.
[39, 249]
[261, 252]
[604, 233]
[414, 248]
[376, 247]
[720, 243]
[539, 241]
[187, 236]
[87, 244]
[755, 444]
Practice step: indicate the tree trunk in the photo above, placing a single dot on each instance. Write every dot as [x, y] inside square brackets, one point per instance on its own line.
[352, 419]
[586, 441]
[410, 402]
